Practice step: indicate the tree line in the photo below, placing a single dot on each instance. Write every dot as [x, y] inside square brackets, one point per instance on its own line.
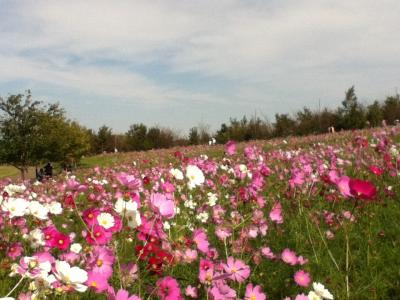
[32, 132]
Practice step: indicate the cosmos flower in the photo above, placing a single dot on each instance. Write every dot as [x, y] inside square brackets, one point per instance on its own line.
[72, 276]
[168, 289]
[237, 269]
[362, 189]
[195, 176]
[16, 207]
[254, 293]
[302, 278]
[230, 148]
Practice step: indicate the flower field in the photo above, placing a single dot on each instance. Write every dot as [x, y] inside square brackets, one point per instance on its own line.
[313, 218]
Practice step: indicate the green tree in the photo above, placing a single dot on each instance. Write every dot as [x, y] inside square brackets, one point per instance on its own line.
[284, 125]
[194, 137]
[391, 109]
[374, 114]
[352, 113]
[32, 132]
[136, 137]
[105, 140]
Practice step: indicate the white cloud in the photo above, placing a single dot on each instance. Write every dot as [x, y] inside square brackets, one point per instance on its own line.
[262, 50]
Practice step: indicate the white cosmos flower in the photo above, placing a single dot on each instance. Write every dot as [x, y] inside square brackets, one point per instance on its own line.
[36, 237]
[195, 176]
[122, 206]
[12, 189]
[321, 291]
[55, 208]
[38, 210]
[76, 248]
[212, 199]
[313, 296]
[106, 220]
[176, 173]
[17, 207]
[133, 218]
[72, 276]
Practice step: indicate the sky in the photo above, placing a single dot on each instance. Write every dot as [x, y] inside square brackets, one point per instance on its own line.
[182, 63]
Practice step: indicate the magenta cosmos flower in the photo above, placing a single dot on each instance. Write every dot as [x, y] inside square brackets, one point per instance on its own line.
[254, 293]
[362, 189]
[168, 289]
[237, 268]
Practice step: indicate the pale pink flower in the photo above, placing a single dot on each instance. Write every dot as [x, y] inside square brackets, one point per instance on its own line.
[289, 257]
[276, 213]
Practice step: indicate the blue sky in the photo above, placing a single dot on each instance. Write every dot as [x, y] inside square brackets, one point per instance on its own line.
[181, 63]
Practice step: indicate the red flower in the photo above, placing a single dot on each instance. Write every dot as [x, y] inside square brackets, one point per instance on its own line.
[376, 170]
[69, 201]
[362, 189]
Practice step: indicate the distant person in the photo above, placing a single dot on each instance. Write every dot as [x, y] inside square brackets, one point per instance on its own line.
[384, 123]
[39, 174]
[48, 170]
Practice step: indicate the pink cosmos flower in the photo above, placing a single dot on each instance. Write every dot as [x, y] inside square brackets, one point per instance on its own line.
[266, 251]
[101, 261]
[301, 260]
[90, 216]
[302, 278]
[168, 289]
[333, 176]
[221, 291]
[206, 270]
[230, 148]
[301, 297]
[121, 295]
[362, 189]
[129, 181]
[237, 268]
[165, 207]
[223, 232]
[54, 238]
[191, 291]
[343, 186]
[15, 250]
[189, 256]
[98, 236]
[289, 257]
[254, 293]
[60, 241]
[200, 238]
[276, 213]
[97, 281]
